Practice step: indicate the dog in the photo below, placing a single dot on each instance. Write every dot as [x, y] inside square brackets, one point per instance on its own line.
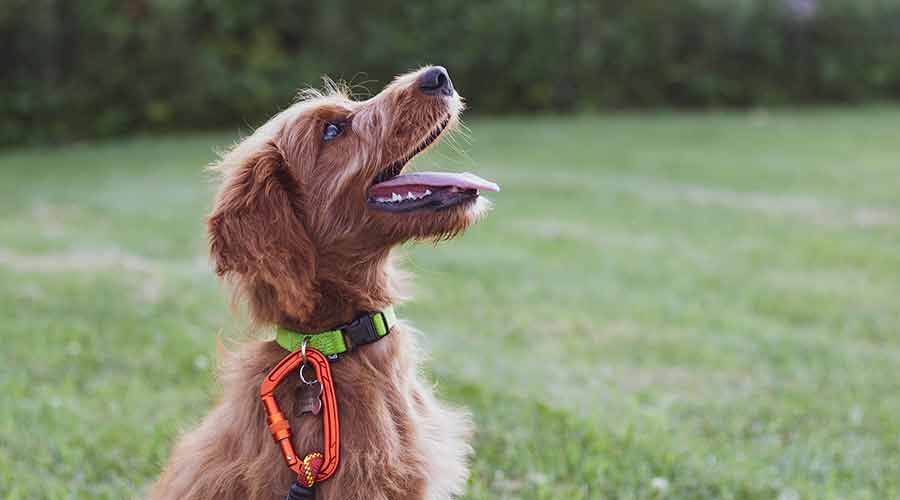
[302, 227]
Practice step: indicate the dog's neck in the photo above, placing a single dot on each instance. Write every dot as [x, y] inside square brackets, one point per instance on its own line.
[343, 294]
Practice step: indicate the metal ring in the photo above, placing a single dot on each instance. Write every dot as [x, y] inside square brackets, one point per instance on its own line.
[305, 362]
[303, 378]
[303, 350]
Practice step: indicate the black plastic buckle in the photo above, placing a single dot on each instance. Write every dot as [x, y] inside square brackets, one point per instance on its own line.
[360, 331]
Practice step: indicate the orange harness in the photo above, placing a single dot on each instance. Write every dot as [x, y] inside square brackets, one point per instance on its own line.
[314, 467]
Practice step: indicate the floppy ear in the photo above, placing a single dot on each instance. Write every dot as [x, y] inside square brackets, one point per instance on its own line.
[256, 233]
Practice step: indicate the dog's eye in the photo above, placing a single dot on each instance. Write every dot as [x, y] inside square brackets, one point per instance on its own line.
[332, 130]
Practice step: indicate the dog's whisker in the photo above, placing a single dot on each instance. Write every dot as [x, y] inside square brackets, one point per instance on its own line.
[459, 146]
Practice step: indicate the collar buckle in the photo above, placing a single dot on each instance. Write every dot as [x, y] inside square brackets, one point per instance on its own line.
[360, 331]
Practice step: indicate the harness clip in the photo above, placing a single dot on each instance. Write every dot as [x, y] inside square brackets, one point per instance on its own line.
[280, 426]
[360, 331]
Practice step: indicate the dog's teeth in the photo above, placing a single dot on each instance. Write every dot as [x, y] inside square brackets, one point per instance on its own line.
[397, 197]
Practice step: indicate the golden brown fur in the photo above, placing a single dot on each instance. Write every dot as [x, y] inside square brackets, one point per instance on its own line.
[290, 230]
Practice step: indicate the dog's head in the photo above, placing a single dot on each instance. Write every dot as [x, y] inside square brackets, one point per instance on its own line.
[319, 189]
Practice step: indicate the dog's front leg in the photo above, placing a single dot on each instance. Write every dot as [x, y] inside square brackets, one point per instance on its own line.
[230, 455]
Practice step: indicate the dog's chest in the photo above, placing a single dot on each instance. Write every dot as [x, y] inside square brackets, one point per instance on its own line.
[398, 442]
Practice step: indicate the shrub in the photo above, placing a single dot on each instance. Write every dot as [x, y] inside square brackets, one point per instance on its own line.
[103, 67]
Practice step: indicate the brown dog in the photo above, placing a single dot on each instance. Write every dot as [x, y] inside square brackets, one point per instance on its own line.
[309, 209]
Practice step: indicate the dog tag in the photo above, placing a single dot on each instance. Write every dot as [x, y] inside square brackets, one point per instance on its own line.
[309, 399]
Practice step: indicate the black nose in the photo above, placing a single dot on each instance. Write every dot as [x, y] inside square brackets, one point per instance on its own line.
[435, 81]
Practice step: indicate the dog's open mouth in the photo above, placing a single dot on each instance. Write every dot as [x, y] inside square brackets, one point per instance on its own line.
[393, 192]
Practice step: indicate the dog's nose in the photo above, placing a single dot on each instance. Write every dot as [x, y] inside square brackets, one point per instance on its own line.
[435, 81]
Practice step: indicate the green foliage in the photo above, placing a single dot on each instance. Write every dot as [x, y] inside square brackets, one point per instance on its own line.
[102, 67]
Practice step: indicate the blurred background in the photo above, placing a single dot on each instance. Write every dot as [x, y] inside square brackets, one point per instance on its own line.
[688, 288]
[98, 68]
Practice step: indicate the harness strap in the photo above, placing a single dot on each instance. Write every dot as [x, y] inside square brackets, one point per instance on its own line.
[365, 329]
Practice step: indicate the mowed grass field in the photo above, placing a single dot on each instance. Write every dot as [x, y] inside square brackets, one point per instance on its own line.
[676, 306]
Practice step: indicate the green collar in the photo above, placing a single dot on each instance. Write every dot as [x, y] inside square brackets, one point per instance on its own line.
[365, 329]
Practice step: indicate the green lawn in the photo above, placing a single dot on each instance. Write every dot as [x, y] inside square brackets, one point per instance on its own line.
[660, 306]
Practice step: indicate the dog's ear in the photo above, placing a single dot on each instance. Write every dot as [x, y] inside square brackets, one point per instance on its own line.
[256, 232]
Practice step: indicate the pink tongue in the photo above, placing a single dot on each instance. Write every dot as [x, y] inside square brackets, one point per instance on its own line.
[464, 180]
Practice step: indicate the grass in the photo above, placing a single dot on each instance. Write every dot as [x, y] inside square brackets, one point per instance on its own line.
[670, 306]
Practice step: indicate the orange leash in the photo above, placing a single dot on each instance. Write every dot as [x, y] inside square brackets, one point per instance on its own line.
[314, 467]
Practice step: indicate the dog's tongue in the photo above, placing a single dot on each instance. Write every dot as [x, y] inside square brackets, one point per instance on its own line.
[464, 180]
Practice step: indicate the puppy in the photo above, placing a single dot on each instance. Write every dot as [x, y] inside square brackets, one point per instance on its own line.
[309, 208]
